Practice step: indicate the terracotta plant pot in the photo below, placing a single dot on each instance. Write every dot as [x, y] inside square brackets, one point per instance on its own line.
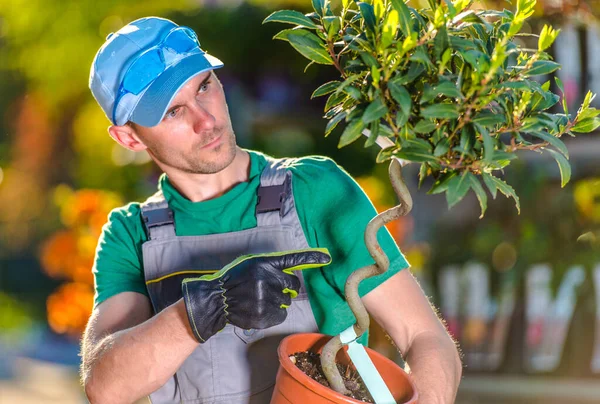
[294, 387]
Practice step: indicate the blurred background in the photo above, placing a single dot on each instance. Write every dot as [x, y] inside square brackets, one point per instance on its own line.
[521, 293]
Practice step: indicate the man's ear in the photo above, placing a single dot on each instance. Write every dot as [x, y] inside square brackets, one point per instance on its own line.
[125, 136]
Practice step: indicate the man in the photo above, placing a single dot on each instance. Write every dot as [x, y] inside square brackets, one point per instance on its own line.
[195, 287]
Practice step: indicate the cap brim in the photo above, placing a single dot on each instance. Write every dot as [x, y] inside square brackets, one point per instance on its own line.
[158, 96]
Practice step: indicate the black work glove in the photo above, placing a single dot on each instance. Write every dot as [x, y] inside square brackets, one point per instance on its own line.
[253, 291]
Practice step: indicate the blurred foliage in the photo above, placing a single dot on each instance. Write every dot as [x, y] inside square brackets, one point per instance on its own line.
[549, 230]
[15, 319]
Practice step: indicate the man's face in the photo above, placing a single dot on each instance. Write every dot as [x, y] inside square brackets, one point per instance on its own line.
[195, 135]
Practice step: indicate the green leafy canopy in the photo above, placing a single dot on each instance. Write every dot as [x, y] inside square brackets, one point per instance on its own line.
[447, 84]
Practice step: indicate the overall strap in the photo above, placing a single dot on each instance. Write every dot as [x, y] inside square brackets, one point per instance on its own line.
[158, 217]
[275, 187]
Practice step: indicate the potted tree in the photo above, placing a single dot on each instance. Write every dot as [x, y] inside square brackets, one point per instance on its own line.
[447, 87]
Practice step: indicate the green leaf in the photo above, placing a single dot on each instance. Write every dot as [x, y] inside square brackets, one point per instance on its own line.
[290, 17]
[586, 125]
[424, 126]
[553, 140]
[374, 129]
[332, 25]
[489, 119]
[416, 143]
[375, 111]
[547, 37]
[334, 121]
[467, 140]
[563, 165]
[588, 113]
[318, 6]
[461, 44]
[401, 96]
[402, 118]
[457, 189]
[356, 112]
[496, 184]
[442, 147]
[385, 154]
[334, 99]
[542, 67]
[353, 92]
[446, 88]
[420, 55]
[369, 59]
[488, 145]
[310, 46]
[351, 79]
[488, 179]
[479, 192]
[378, 8]
[441, 184]
[325, 89]
[414, 71]
[376, 76]
[415, 154]
[440, 111]
[422, 173]
[352, 132]
[405, 18]
[516, 85]
[559, 84]
[368, 15]
[588, 98]
[390, 28]
[500, 155]
[468, 16]
[441, 42]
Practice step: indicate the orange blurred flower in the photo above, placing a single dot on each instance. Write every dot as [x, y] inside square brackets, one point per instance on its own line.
[59, 253]
[69, 254]
[69, 308]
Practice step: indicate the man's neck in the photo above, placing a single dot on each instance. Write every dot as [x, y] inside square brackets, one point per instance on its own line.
[202, 187]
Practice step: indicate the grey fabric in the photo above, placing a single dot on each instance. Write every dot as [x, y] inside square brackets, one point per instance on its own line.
[157, 203]
[235, 365]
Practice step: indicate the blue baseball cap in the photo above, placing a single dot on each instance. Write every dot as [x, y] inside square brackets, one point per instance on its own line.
[140, 68]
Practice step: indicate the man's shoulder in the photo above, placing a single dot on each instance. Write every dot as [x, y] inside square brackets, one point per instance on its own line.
[128, 215]
[312, 165]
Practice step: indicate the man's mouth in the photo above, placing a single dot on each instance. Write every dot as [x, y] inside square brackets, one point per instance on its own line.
[216, 141]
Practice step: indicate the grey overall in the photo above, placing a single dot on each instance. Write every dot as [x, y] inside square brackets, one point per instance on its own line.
[235, 365]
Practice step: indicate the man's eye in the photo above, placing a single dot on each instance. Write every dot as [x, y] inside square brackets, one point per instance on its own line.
[173, 113]
[203, 86]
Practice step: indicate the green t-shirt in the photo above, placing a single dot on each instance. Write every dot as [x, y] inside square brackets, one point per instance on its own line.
[332, 208]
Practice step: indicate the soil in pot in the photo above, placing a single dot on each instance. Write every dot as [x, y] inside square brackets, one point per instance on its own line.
[310, 363]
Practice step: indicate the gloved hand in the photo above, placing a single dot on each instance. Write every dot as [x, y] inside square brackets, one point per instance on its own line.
[253, 291]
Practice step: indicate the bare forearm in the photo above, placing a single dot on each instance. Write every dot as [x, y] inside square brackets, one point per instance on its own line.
[436, 368]
[132, 363]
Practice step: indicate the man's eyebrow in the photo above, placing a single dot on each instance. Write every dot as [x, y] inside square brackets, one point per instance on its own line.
[174, 107]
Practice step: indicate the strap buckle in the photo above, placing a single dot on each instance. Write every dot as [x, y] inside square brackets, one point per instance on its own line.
[158, 217]
[270, 198]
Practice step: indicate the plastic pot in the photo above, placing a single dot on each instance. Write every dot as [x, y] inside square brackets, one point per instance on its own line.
[293, 386]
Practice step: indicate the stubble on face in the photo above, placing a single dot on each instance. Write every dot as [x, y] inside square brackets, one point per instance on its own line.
[197, 160]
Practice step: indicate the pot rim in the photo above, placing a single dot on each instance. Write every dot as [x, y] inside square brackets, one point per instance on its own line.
[313, 385]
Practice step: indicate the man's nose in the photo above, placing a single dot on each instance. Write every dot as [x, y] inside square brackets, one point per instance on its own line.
[203, 119]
